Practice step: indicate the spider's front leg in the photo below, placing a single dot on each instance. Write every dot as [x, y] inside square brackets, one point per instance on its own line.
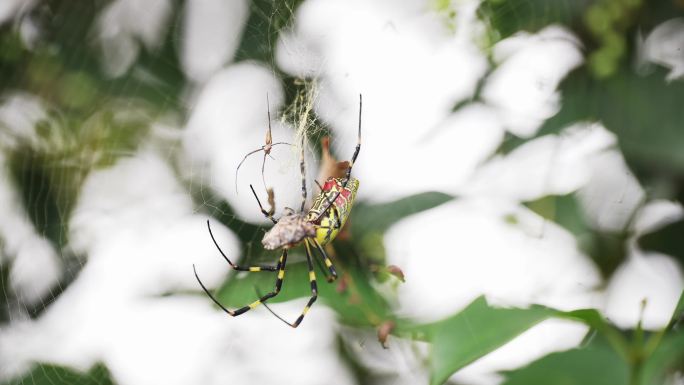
[278, 285]
[238, 267]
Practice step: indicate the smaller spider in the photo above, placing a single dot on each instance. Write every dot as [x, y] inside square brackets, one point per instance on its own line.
[314, 228]
[266, 148]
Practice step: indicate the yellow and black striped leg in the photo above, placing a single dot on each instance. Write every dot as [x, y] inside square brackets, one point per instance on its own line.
[278, 285]
[314, 291]
[326, 260]
[238, 267]
[314, 287]
[319, 264]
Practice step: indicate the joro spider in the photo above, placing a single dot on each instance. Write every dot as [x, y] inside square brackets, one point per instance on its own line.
[315, 228]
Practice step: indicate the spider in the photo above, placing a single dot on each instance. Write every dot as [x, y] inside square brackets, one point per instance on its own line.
[266, 148]
[314, 228]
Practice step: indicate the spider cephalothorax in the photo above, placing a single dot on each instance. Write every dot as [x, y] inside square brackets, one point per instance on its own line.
[314, 228]
[290, 230]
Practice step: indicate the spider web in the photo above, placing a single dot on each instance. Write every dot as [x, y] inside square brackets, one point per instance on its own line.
[105, 171]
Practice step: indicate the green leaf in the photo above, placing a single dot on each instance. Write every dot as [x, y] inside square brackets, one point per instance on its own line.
[595, 364]
[474, 332]
[379, 217]
[643, 111]
[679, 309]
[562, 209]
[666, 240]
[667, 357]
[46, 374]
[511, 16]
[480, 329]
[607, 249]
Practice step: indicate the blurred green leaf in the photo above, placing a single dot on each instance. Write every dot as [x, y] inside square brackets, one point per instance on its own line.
[511, 16]
[472, 333]
[379, 217]
[666, 240]
[46, 374]
[643, 111]
[679, 309]
[668, 356]
[480, 329]
[607, 249]
[595, 364]
[266, 19]
[563, 210]
[4, 289]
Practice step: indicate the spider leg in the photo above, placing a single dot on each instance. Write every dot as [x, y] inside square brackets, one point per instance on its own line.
[319, 263]
[358, 146]
[278, 285]
[263, 163]
[349, 169]
[266, 213]
[326, 260]
[303, 170]
[238, 267]
[243, 161]
[314, 291]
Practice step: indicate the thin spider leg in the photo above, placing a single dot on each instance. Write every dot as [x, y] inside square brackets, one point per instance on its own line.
[243, 161]
[314, 292]
[349, 169]
[266, 213]
[229, 312]
[358, 145]
[237, 267]
[263, 166]
[302, 168]
[326, 260]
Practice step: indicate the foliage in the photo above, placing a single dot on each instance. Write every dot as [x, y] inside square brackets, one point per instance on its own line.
[59, 375]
